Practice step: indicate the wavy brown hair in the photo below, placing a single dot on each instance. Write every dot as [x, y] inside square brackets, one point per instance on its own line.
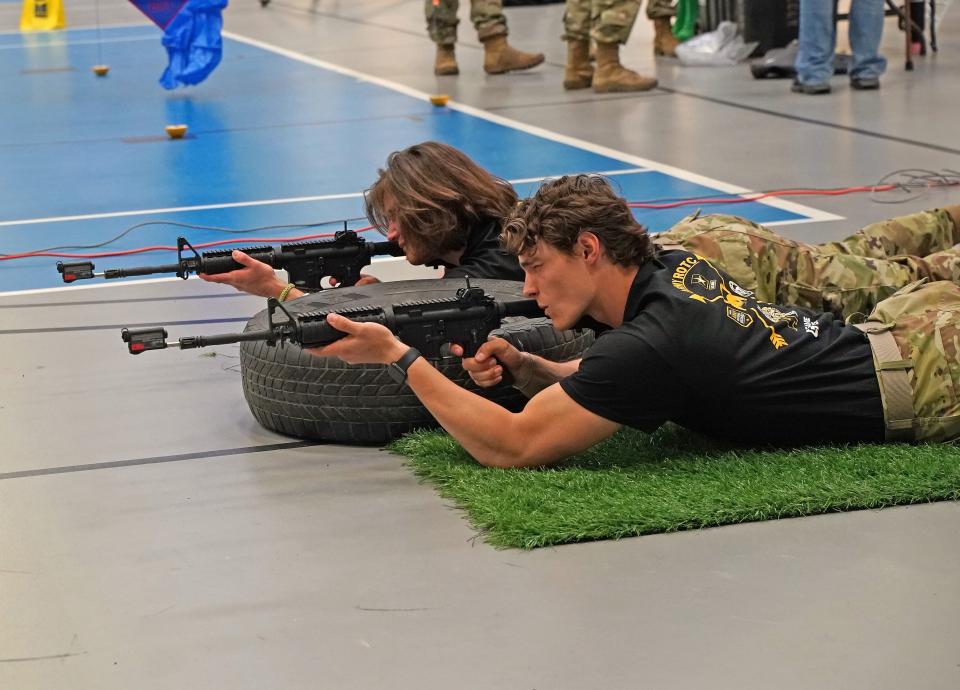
[439, 194]
[563, 208]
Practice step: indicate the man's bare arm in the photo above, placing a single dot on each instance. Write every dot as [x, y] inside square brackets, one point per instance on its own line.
[550, 428]
[541, 373]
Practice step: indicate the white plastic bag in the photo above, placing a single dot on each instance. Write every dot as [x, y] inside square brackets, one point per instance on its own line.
[717, 48]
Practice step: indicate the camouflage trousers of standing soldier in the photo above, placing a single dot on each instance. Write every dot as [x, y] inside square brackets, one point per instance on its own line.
[925, 323]
[486, 15]
[608, 21]
[847, 277]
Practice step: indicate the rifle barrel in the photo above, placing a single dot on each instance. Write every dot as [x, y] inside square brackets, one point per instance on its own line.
[195, 341]
[385, 248]
[527, 307]
[139, 271]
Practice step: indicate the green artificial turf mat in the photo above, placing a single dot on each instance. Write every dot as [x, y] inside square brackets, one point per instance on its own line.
[635, 483]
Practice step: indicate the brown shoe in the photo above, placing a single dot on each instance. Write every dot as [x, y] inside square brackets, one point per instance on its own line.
[664, 42]
[579, 72]
[499, 56]
[610, 76]
[446, 62]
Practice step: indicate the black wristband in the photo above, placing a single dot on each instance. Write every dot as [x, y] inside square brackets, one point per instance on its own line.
[398, 369]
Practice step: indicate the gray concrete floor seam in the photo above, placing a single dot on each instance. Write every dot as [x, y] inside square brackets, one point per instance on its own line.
[132, 462]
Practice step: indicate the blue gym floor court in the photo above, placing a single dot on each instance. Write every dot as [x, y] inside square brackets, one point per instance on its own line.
[152, 535]
[87, 159]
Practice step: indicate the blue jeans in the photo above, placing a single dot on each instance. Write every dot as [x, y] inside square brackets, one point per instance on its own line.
[818, 40]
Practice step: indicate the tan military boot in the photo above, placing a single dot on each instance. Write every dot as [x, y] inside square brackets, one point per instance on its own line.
[446, 62]
[954, 212]
[499, 56]
[579, 71]
[611, 76]
[664, 42]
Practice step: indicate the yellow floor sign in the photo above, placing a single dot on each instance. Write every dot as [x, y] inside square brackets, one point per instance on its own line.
[42, 15]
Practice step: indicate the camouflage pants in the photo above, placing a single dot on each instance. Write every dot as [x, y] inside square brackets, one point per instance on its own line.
[925, 323]
[486, 15]
[847, 277]
[608, 21]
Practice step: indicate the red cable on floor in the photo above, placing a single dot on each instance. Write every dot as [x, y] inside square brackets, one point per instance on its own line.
[744, 198]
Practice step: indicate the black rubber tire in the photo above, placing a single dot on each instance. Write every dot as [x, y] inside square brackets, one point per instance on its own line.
[323, 398]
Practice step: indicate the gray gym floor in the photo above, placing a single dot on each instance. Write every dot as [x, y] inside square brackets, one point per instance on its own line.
[196, 563]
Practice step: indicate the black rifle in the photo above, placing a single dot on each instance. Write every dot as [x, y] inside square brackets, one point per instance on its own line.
[427, 325]
[306, 263]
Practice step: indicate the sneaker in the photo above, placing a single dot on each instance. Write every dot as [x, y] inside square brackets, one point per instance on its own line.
[865, 83]
[810, 89]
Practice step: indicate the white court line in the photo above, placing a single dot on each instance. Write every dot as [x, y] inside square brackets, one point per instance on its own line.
[181, 209]
[93, 41]
[261, 202]
[128, 283]
[605, 173]
[92, 286]
[122, 25]
[813, 214]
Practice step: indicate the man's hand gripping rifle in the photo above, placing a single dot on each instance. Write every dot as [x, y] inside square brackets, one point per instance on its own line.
[306, 263]
[427, 325]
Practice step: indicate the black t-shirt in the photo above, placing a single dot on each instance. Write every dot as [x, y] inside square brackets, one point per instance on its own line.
[697, 349]
[484, 257]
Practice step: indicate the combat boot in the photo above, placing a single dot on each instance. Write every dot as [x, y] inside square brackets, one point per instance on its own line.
[499, 56]
[664, 42]
[579, 71]
[611, 76]
[446, 62]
